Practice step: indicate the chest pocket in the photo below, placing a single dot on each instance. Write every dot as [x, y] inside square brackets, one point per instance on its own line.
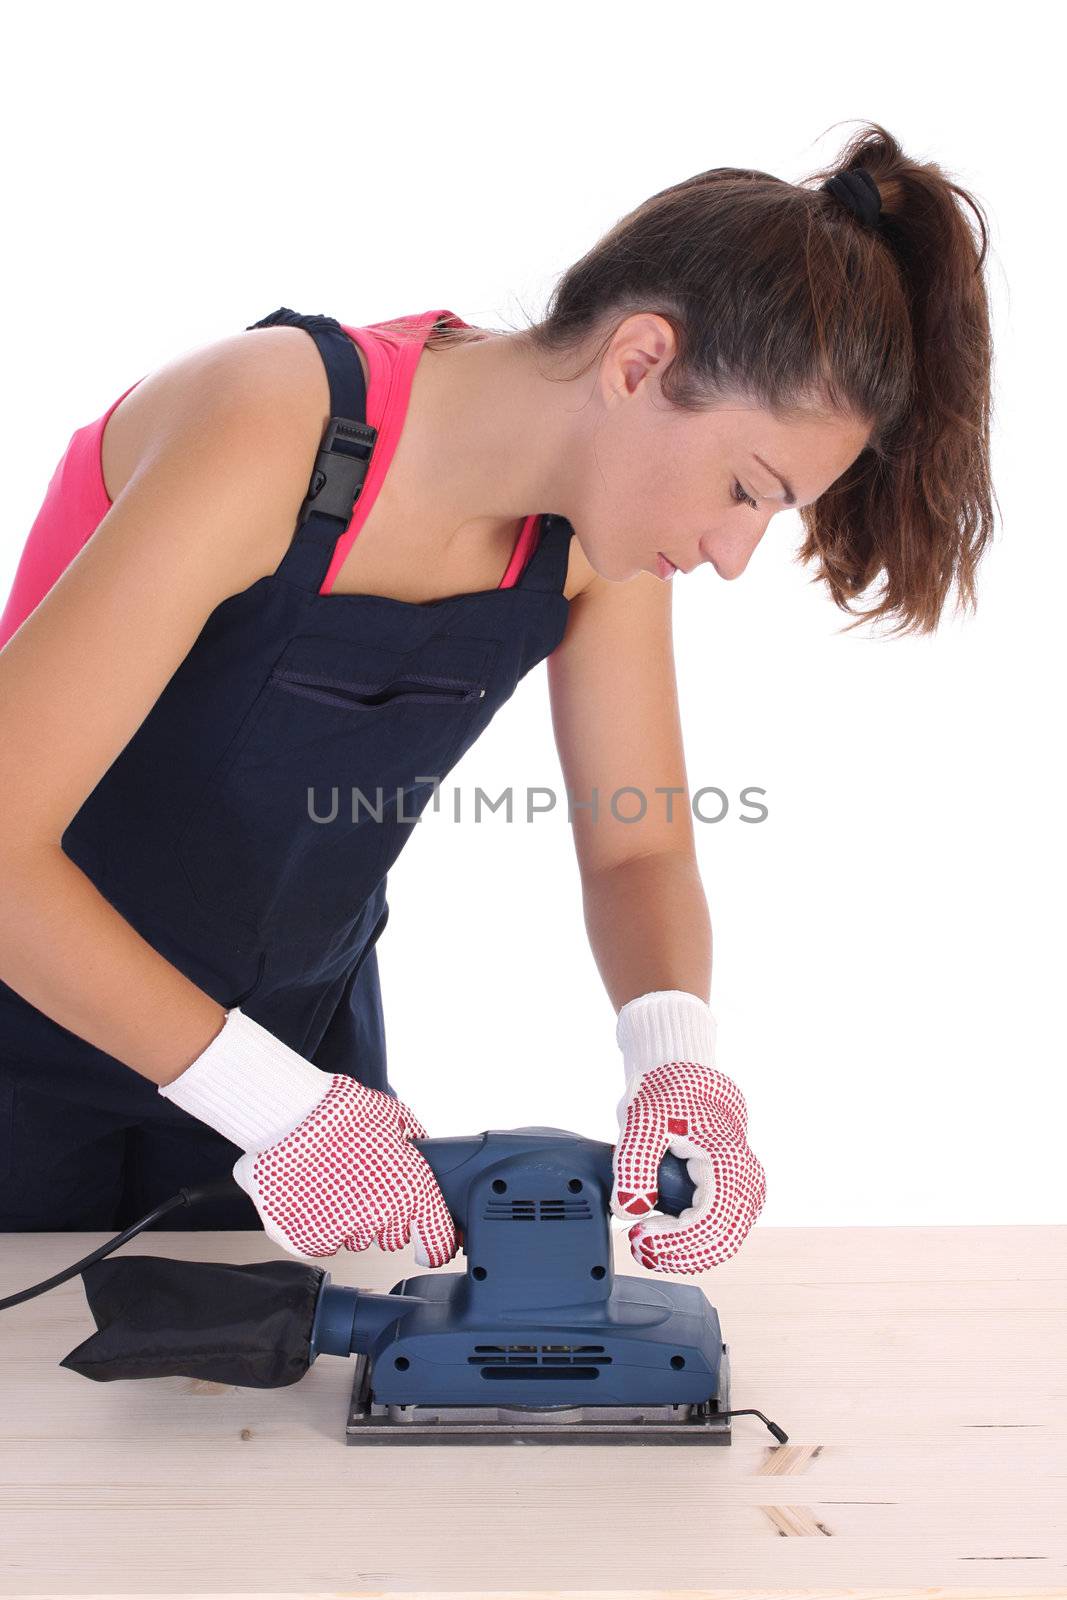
[336, 758]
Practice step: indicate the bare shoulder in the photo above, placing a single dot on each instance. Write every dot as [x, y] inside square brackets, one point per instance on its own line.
[276, 368]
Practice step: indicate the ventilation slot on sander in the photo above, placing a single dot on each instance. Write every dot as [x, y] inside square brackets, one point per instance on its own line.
[539, 1361]
[537, 1211]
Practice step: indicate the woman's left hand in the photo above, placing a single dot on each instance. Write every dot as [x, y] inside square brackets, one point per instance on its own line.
[676, 1100]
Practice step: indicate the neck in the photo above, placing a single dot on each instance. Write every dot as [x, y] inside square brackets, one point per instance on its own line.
[486, 441]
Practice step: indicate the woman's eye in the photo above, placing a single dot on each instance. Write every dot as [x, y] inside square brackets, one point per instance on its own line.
[742, 497]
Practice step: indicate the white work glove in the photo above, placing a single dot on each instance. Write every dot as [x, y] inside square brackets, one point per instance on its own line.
[329, 1162]
[676, 1100]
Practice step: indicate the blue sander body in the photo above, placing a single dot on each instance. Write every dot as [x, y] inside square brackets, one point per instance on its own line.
[538, 1338]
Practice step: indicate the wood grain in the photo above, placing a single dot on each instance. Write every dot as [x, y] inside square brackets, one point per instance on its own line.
[920, 1372]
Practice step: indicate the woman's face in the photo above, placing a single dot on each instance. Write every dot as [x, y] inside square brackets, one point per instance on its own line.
[654, 480]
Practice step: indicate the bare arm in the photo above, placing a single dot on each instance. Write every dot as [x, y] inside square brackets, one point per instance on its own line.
[210, 508]
[617, 725]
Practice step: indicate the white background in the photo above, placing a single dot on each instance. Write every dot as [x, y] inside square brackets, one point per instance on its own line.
[888, 944]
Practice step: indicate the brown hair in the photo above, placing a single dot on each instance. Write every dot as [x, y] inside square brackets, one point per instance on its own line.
[777, 293]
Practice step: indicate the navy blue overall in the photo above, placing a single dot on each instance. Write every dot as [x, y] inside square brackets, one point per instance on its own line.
[246, 831]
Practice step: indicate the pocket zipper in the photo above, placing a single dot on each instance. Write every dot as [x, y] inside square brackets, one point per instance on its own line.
[347, 692]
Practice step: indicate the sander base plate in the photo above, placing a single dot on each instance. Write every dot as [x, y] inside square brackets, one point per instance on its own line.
[372, 1423]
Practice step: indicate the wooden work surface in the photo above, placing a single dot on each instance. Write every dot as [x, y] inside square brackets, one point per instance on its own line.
[920, 1373]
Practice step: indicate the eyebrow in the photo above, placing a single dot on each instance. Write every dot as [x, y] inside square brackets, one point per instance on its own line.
[790, 497]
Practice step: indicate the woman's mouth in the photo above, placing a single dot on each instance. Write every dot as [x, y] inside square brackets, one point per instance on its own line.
[666, 568]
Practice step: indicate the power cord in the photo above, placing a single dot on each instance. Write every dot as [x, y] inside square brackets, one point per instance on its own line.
[185, 1197]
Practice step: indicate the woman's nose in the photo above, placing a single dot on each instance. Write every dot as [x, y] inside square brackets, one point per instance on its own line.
[731, 554]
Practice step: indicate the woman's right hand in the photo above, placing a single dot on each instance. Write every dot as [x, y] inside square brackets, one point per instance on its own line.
[329, 1162]
[349, 1176]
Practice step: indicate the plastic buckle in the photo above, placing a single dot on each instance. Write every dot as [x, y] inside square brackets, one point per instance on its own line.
[338, 474]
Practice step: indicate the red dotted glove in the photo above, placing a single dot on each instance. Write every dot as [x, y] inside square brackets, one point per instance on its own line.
[349, 1176]
[329, 1162]
[675, 1100]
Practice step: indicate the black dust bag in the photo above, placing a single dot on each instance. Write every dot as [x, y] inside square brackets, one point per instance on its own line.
[156, 1318]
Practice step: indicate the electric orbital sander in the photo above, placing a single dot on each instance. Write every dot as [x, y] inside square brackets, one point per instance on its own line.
[538, 1341]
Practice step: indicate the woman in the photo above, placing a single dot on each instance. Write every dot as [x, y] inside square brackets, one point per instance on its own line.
[199, 652]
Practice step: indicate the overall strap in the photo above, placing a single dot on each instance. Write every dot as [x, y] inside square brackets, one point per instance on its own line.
[344, 453]
[546, 570]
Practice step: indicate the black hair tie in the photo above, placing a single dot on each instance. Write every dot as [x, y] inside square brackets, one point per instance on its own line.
[857, 190]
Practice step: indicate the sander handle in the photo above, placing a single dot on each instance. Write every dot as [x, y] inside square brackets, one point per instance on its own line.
[457, 1161]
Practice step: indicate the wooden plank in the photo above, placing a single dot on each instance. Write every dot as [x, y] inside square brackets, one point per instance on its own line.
[921, 1374]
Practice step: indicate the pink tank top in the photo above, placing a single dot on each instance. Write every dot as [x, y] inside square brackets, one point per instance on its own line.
[76, 500]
